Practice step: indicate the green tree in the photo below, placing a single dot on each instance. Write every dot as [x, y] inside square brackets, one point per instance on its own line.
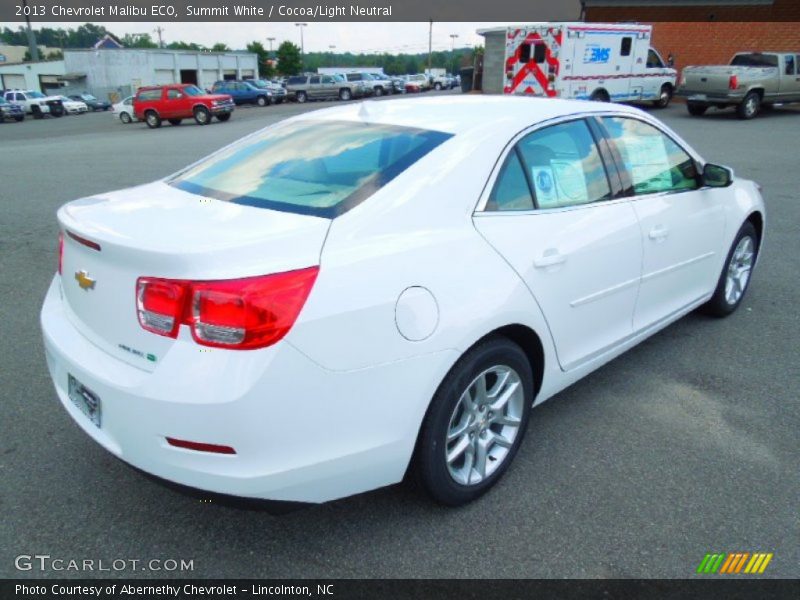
[220, 47]
[289, 60]
[142, 40]
[265, 69]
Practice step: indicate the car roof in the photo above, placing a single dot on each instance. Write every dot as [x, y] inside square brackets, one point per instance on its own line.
[464, 113]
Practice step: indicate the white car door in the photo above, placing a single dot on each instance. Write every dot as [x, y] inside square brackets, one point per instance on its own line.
[682, 223]
[554, 215]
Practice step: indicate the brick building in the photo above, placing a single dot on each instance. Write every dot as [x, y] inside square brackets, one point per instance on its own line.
[697, 32]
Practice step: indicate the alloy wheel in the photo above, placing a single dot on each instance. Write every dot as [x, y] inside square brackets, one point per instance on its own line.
[739, 269]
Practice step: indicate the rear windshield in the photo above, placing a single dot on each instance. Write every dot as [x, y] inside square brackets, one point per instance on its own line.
[320, 168]
[755, 60]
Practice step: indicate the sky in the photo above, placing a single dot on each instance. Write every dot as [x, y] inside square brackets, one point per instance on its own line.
[394, 38]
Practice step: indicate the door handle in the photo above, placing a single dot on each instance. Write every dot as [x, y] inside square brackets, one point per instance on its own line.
[550, 258]
[658, 233]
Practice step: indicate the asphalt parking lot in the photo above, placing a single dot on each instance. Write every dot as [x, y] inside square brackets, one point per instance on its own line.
[685, 445]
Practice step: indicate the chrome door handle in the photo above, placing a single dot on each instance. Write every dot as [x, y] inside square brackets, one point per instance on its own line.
[658, 233]
[550, 258]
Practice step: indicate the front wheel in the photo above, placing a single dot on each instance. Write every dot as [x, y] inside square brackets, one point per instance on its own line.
[201, 115]
[19, 118]
[735, 276]
[223, 117]
[437, 86]
[475, 423]
[750, 106]
[302, 97]
[664, 97]
[262, 101]
[345, 94]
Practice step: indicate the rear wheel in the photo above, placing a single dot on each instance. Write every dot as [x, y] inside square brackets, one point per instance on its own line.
[379, 91]
[19, 118]
[125, 118]
[664, 96]
[437, 86]
[750, 106]
[152, 119]
[302, 97]
[201, 115]
[735, 276]
[223, 117]
[696, 109]
[37, 113]
[600, 96]
[175, 121]
[345, 94]
[475, 423]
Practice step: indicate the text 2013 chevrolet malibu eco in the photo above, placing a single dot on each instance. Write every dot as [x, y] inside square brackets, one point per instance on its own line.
[326, 303]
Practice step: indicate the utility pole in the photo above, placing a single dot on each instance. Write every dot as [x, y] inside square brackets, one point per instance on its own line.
[159, 30]
[430, 45]
[270, 40]
[332, 48]
[33, 49]
[453, 37]
[302, 48]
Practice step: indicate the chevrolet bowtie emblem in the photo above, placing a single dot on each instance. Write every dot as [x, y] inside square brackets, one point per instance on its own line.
[83, 279]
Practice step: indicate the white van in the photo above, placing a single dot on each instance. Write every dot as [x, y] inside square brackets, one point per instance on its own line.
[611, 62]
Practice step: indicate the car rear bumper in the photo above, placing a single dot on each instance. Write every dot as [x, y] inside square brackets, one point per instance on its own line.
[300, 432]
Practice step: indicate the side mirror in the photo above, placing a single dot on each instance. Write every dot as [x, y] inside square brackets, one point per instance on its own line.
[717, 176]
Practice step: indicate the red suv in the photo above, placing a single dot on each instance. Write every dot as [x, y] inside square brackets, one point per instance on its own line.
[179, 101]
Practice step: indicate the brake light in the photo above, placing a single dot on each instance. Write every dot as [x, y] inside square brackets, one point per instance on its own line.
[60, 252]
[240, 314]
[733, 82]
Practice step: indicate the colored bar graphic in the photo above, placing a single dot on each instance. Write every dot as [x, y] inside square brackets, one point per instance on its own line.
[734, 563]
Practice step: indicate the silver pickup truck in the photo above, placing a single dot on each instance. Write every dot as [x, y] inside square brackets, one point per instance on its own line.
[751, 81]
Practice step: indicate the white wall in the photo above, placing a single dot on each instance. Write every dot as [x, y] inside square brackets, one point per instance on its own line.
[31, 72]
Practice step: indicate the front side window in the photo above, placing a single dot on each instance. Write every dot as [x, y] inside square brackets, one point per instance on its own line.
[327, 79]
[192, 90]
[654, 162]
[790, 65]
[564, 166]
[321, 168]
[653, 60]
[174, 94]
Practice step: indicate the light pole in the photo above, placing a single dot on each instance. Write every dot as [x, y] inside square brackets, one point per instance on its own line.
[332, 48]
[453, 37]
[270, 40]
[302, 48]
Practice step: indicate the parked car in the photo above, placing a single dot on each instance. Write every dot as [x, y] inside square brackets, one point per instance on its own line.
[418, 83]
[244, 92]
[123, 110]
[92, 102]
[179, 101]
[324, 87]
[35, 103]
[277, 90]
[73, 107]
[373, 83]
[398, 85]
[10, 111]
[586, 228]
[750, 81]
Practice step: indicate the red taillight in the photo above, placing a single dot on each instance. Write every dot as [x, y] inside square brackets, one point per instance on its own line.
[60, 252]
[240, 314]
[733, 82]
[200, 446]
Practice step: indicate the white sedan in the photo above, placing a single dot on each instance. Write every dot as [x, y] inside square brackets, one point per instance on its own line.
[359, 291]
[73, 107]
[123, 110]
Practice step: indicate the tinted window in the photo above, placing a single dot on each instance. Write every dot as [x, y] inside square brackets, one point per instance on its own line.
[296, 80]
[653, 61]
[525, 53]
[174, 94]
[625, 48]
[511, 191]
[321, 168]
[789, 65]
[327, 79]
[755, 60]
[564, 166]
[149, 95]
[539, 53]
[654, 162]
[313, 80]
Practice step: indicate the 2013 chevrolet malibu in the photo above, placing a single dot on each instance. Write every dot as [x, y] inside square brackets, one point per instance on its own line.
[312, 310]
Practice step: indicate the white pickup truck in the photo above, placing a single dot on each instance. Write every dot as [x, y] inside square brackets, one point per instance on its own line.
[36, 103]
[751, 81]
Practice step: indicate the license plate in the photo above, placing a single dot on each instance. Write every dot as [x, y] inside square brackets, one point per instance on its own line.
[698, 97]
[86, 400]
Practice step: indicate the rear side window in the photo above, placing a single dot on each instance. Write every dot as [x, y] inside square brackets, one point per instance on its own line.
[564, 166]
[149, 95]
[313, 80]
[320, 168]
[625, 47]
[296, 81]
[511, 191]
[790, 65]
[654, 162]
[755, 60]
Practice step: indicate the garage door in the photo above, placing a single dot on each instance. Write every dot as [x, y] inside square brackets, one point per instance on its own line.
[14, 82]
[165, 76]
[248, 74]
[208, 77]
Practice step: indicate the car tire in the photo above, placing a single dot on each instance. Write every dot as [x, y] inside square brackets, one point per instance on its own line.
[345, 94]
[2, 118]
[152, 119]
[202, 116]
[125, 118]
[736, 274]
[600, 96]
[696, 109]
[378, 91]
[19, 118]
[437, 86]
[467, 424]
[301, 97]
[175, 122]
[750, 106]
[223, 117]
[262, 101]
[664, 96]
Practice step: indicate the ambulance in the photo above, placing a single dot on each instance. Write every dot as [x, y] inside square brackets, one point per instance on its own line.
[611, 62]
